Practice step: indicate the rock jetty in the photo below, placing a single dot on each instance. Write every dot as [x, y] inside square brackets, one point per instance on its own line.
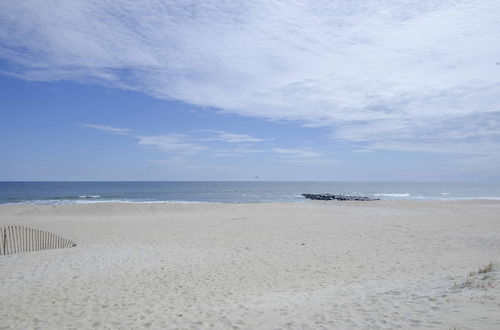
[332, 197]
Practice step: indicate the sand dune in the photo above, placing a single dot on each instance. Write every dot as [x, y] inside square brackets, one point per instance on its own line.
[316, 265]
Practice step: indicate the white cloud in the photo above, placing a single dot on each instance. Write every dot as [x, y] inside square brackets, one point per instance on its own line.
[315, 161]
[182, 163]
[470, 134]
[375, 71]
[171, 143]
[302, 156]
[109, 129]
[236, 152]
[229, 137]
[299, 153]
[182, 145]
[179, 147]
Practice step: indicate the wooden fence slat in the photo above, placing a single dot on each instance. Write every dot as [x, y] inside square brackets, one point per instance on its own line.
[38, 241]
[19, 248]
[18, 233]
[26, 239]
[21, 231]
[14, 232]
[7, 233]
[14, 241]
[10, 239]
[21, 241]
[4, 235]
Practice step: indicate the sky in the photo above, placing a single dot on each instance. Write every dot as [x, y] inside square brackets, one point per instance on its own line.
[250, 90]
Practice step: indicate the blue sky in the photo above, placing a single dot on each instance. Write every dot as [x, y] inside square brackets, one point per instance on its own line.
[206, 90]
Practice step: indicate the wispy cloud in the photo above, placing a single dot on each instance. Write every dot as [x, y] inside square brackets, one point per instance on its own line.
[109, 129]
[229, 137]
[171, 143]
[297, 153]
[236, 151]
[302, 156]
[373, 71]
[181, 162]
[180, 145]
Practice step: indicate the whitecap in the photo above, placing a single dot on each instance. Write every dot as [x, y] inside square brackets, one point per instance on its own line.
[393, 195]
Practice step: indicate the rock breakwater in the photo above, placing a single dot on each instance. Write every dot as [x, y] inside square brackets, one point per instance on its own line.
[330, 197]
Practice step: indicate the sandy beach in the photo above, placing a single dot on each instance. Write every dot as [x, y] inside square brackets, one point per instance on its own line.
[314, 265]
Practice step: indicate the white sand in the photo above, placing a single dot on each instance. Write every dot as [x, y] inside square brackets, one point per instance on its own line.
[317, 265]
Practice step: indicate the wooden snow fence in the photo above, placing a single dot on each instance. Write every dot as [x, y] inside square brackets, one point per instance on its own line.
[16, 239]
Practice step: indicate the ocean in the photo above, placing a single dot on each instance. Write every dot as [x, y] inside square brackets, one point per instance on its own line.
[232, 192]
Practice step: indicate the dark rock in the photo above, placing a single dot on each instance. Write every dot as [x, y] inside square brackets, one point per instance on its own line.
[330, 197]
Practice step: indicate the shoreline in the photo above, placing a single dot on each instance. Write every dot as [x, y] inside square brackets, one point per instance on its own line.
[86, 202]
[317, 264]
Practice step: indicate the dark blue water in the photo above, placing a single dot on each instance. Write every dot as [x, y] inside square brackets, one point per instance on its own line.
[232, 192]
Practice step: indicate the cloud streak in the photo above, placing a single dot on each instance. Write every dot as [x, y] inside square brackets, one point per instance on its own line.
[179, 145]
[297, 153]
[225, 144]
[302, 156]
[171, 143]
[229, 137]
[378, 73]
[109, 129]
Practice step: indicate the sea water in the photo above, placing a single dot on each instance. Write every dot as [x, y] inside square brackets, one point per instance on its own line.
[233, 192]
